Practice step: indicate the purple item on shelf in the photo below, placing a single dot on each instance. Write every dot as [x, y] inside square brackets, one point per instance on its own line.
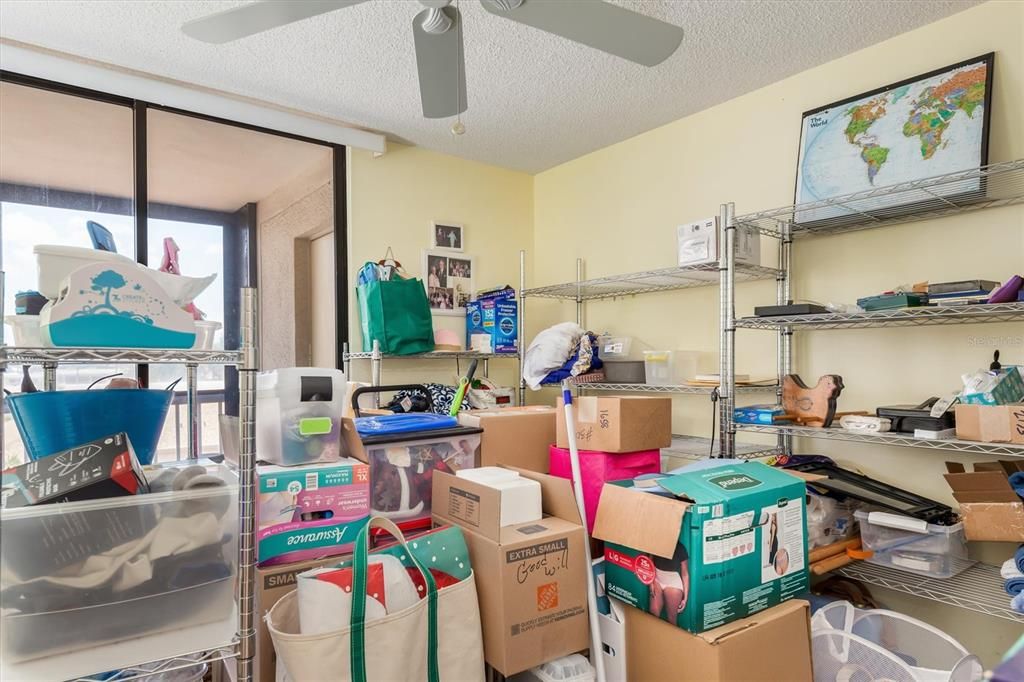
[1009, 292]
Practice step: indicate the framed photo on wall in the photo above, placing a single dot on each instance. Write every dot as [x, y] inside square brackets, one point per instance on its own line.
[929, 125]
[448, 236]
[449, 281]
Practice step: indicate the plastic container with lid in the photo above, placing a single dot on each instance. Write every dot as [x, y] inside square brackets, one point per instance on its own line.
[912, 545]
[402, 464]
[298, 415]
[614, 347]
[26, 330]
[181, 578]
[658, 368]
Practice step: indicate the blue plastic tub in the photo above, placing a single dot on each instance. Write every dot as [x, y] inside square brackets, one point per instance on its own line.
[53, 421]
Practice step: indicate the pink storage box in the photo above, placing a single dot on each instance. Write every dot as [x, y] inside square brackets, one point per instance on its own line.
[597, 468]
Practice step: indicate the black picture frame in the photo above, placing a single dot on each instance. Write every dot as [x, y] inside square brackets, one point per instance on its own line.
[896, 210]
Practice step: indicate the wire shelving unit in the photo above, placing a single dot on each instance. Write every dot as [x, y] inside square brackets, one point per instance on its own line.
[978, 588]
[998, 184]
[695, 448]
[648, 281]
[377, 358]
[243, 645]
[683, 389]
[891, 438]
[899, 317]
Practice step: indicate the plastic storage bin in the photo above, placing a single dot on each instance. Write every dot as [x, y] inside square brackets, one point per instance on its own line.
[26, 330]
[54, 421]
[298, 415]
[671, 368]
[402, 469]
[597, 468]
[624, 371]
[911, 545]
[183, 552]
[614, 347]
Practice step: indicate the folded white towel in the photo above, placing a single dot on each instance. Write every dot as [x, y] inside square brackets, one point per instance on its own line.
[1009, 570]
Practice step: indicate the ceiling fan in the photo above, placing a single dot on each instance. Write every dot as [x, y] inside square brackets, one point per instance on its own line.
[437, 34]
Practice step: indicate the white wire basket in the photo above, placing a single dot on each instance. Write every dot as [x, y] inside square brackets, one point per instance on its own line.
[856, 645]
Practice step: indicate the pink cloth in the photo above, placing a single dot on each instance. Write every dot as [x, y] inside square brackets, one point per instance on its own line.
[169, 264]
[597, 468]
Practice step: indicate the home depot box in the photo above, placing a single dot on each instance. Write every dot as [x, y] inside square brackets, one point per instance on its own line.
[618, 423]
[991, 510]
[772, 646]
[710, 547]
[517, 436]
[532, 584]
[271, 584]
[990, 423]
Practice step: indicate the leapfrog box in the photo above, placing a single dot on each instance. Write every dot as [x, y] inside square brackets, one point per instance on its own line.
[310, 512]
[707, 547]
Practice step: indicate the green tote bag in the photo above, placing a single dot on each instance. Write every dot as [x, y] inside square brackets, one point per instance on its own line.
[396, 314]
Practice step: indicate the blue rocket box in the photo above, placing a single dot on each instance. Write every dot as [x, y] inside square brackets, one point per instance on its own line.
[106, 304]
[494, 313]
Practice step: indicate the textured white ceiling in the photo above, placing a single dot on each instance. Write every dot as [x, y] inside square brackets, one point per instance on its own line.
[535, 100]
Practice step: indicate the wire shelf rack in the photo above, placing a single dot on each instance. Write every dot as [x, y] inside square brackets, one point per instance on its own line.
[162, 668]
[666, 279]
[695, 448]
[674, 389]
[898, 317]
[998, 184]
[42, 356]
[435, 355]
[979, 588]
[895, 439]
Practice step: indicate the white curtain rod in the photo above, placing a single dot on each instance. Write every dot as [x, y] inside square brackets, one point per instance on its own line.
[136, 86]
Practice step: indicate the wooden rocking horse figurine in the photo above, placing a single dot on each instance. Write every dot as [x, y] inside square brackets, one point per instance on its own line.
[811, 406]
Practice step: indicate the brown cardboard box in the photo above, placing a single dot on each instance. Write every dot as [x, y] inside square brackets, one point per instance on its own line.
[771, 646]
[531, 579]
[517, 436]
[272, 583]
[619, 423]
[990, 508]
[990, 423]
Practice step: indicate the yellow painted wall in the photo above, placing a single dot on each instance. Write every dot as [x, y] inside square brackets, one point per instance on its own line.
[393, 199]
[618, 208]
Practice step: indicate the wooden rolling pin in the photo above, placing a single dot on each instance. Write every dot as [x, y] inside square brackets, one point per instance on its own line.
[833, 549]
[830, 563]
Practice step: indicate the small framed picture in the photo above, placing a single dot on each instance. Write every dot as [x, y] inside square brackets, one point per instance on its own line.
[449, 282]
[447, 236]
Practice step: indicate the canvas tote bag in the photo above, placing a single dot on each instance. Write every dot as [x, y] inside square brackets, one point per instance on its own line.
[438, 639]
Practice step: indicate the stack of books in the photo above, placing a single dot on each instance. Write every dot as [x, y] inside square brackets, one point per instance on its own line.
[965, 292]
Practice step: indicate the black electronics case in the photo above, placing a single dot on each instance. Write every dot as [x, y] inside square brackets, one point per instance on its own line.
[907, 418]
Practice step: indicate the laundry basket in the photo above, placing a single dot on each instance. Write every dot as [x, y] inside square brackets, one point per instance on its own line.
[858, 645]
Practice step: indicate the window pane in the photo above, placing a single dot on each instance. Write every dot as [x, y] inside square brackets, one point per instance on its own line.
[64, 161]
[212, 186]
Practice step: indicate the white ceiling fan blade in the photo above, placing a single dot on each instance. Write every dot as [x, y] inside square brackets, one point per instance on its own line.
[600, 25]
[239, 22]
[442, 70]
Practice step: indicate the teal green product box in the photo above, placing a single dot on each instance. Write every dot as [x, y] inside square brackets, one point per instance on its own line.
[310, 512]
[1009, 389]
[710, 547]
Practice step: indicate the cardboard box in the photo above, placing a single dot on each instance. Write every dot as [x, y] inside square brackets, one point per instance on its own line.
[618, 423]
[990, 423]
[730, 543]
[309, 512]
[531, 583]
[990, 509]
[272, 583]
[101, 468]
[516, 436]
[772, 646]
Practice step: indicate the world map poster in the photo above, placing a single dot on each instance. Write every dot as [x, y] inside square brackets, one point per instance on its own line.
[920, 128]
